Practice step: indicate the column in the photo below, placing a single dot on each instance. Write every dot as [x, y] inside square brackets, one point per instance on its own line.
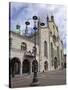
[30, 67]
[21, 69]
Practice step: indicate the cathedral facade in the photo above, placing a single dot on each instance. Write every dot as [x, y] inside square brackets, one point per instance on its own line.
[49, 50]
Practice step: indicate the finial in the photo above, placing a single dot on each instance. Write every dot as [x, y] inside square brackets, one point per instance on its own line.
[52, 18]
[47, 18]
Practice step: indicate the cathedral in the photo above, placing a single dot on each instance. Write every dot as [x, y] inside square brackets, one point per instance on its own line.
[49, 49]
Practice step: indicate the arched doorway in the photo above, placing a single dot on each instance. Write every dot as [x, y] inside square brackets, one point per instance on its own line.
[33, 64]
[55, 63]
[46, 65]
[15, 66]
[26, 66]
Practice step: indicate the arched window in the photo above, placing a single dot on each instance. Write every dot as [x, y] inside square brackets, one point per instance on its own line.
[23, 46]
[34, 50]
[51, 50]
[52, 54]
[58, 55]
[15, 66]
[61, 55]
[45, 49]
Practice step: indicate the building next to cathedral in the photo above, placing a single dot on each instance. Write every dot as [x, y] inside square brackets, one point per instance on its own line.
[49, 49]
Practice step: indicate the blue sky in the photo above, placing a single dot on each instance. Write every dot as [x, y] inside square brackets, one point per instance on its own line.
[20, 12]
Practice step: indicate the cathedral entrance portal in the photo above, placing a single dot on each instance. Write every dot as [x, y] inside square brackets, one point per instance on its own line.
[26, 66]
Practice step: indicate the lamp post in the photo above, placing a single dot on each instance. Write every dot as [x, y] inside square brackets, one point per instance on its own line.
[35, 81]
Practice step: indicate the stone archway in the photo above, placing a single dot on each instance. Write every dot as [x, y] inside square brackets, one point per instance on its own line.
[26, 66]
[46, 65]
[55, 63]
[33, 63]
[15, 66]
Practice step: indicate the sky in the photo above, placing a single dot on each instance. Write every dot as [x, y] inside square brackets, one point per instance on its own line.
[21, 12]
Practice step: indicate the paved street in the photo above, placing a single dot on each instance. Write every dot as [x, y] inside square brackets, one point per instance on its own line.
[57, 77]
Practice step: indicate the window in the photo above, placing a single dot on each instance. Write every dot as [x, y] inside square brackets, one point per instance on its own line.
[61, 54]
[52, 53]
[54, 38]
[23, 46]
[53, 27]
[50, 32]
[58, 55]
[34, 50]
[51, 50]
[45, 49]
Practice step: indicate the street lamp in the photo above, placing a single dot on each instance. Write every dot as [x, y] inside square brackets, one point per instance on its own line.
[35, 81]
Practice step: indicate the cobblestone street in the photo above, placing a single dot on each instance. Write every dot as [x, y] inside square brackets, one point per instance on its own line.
[57, 77]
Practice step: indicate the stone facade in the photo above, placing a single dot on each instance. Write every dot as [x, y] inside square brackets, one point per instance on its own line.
[49, 49]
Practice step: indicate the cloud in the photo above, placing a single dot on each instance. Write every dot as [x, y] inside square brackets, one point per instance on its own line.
[21, 12]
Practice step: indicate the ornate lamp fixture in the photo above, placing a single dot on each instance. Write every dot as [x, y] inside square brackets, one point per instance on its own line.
[35, 81]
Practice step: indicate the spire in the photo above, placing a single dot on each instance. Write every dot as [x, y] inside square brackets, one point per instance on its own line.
[52, 18]
[47, 18]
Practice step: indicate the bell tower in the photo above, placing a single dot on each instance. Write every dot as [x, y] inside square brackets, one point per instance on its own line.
[43, 36]
[18, 28]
